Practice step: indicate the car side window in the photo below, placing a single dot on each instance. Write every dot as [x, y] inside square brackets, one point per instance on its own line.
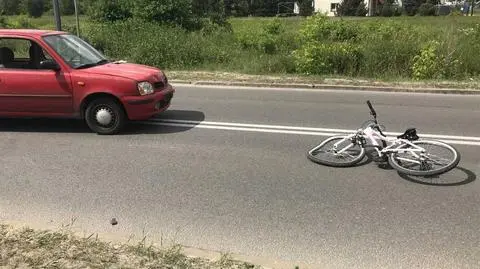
[19, 53]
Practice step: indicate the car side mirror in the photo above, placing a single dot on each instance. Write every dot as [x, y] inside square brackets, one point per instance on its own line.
[49, 64]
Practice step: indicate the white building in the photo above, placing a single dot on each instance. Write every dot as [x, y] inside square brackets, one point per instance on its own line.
[326, 6]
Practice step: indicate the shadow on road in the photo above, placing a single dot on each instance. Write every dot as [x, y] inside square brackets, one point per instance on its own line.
[182, 115]
[49, 125]
[156, 127]
[43, 125]
[456, 177]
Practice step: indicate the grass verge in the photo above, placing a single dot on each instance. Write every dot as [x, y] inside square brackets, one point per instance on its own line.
[29, 248]
[414, 52]
[232, 77]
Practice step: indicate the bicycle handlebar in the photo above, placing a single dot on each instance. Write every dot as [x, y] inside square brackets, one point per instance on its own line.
[372, 111]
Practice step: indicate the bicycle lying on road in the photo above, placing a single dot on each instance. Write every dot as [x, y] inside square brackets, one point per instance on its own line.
[403, 152]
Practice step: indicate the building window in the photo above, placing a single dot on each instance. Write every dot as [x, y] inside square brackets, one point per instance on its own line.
[333, 7]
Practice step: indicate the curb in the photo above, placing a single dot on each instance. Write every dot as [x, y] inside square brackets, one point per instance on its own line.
[333, 87]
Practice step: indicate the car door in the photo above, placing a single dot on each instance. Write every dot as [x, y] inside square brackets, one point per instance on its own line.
[25, 88]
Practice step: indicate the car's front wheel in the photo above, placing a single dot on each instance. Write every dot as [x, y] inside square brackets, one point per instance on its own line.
[105, 116]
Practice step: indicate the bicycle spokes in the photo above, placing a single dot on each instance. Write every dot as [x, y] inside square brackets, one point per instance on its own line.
[413, 156]
[337, 151]
[435, 158]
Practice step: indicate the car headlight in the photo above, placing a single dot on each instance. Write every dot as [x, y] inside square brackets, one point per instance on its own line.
[145, 88]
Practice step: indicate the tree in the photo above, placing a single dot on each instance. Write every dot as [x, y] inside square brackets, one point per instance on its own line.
[387, 8]
[108, 10]
[427, 9]
[352, 8]
[411, 6]
[252, 7]
[306, 7]
[10, 7]
[206, 7]
[174, 12]
[47, 5]
[212, 9]
[237, 8]
[67, 7]
[35, 8]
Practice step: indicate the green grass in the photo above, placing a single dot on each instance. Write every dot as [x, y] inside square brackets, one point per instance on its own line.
[266, 46]
[45, 22]
[28, 248]
[292, 24]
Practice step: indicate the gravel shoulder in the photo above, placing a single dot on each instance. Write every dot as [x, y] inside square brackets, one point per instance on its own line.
[227, 78]
[29, 248]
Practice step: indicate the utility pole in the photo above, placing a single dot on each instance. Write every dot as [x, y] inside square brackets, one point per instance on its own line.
[56, 14]
[76, 17]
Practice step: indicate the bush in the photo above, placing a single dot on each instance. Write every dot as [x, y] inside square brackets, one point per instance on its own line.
[168, 47]
[22, 21]
[109, 10]
[67, 7]
[10, 7]
[270, 39]
[428, 64]
[411, 6]
[427, 9]
[397, 11]
[387, 11]
[306, 8]
[433, 62]
[362, 10]
[352, 8]
[178, 12]
[388, 49]
[35, 8]
[465, 49]
[375, 47]
[321, 28]
[328, 58]
[3, 22]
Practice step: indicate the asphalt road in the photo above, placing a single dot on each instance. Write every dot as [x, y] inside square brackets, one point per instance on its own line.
[213, 173]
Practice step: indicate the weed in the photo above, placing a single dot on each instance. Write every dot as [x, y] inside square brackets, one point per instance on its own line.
[425, 47]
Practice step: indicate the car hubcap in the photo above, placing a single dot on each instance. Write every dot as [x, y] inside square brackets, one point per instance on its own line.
[104, 116]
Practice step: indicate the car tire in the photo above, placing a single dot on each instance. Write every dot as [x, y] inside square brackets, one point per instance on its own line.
[105, 116]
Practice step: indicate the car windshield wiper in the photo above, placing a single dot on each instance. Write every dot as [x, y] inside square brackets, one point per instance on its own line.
[104, 61]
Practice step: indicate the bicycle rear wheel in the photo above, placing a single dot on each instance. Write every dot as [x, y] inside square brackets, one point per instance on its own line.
[345, 155]
[430, 162]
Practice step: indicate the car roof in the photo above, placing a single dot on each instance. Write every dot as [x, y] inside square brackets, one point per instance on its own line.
[29, 32]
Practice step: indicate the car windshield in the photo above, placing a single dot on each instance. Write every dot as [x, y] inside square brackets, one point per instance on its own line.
[75, 51]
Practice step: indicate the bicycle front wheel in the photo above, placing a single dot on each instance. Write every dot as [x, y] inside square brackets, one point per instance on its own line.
[438, 158]
[346, 153]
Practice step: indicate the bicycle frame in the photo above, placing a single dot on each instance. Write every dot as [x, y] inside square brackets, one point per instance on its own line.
[394, 144]
[387, 150]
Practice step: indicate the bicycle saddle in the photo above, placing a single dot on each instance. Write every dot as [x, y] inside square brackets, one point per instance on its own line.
[410, 134]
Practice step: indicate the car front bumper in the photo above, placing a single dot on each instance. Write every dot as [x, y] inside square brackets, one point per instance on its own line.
[145, 107]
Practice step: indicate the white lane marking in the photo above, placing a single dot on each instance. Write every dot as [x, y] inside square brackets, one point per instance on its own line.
[236, 128]
[281, 131]
[301, 130]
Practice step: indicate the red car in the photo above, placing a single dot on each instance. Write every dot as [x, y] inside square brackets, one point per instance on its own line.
[56, 74]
